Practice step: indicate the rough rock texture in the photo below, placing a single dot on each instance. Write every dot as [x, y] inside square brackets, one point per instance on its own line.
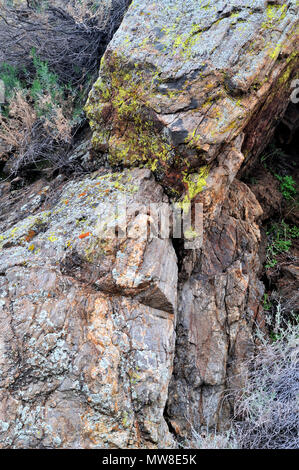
[104, 341]
[265, 187]
[181, 80]
[86, 324]
[218, 306]
[193, 90]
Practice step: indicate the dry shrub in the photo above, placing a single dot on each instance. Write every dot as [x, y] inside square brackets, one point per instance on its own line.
[214, 440]
[268, 406]
[87, 10]
[15, 129]
[70, 36]
[51, 50]
[31, 139]
[56, 122]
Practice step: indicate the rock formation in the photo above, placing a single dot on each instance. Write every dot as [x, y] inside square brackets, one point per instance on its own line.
[129, 341]
[87, 324]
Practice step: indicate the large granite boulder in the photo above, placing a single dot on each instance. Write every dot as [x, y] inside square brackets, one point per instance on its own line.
[181, 80]
[87, 320]
[131, 340]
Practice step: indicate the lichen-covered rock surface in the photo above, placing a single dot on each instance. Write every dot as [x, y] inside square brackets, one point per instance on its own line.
[87, 322]
[182, 79]
[130, 341]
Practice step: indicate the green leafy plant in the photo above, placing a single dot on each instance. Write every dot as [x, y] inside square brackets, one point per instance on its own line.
[10, 77]
[280, 237]
[267, 304]
[287, 186]
[45, 80]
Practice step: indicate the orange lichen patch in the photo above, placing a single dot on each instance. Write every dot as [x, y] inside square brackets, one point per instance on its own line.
[84, 235]
[116, 428]
[82, 194]
[66, 201]
[30, 235]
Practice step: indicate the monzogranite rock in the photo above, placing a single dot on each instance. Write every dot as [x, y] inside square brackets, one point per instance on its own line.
[128, 341]
[193, 90]
[87, 322]
[181, 80]
[219, 305]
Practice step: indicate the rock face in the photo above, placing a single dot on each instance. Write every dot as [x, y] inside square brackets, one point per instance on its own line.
[182, 79]
[218, 307]
[193, 90]
[87, 323]
[125, 341]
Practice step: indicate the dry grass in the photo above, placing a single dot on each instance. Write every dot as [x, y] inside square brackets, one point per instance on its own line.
[31, 139]
[214, 440]
[16, 129]
[82, 11]
[59, 126]
[269, 403]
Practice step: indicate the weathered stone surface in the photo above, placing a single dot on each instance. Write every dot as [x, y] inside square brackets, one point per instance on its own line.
[182, 79]
[86, 325]
[74, 232]
[218, 306]
[193, 90]
[267, 191]
[98, 338]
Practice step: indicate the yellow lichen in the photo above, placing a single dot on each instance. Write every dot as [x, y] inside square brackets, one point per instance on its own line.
[275, 14]
[194, 183]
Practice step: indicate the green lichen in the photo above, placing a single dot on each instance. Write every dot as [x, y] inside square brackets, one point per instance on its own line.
[275, 14]
[125, 420]
[181, 44]
[292, 56]
[233, 125]
[129, 133]
[193, 139]
[190, 234]
[285, 76]
[275, 51]
[122, 120]
[194, 184]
